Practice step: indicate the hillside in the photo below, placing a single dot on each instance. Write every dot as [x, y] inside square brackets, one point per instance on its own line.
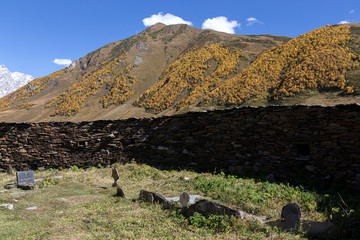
[105, 83]
[318, 60]
[165, 70]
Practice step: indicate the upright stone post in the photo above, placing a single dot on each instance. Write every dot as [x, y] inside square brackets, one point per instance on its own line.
[9, 170]
[115, 175]
[119, 191]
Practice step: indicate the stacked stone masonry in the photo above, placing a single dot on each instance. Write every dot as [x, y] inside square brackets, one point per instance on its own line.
[321, 142]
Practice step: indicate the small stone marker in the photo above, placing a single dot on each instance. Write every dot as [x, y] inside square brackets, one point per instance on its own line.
[25, 178]
[115, 175]
[119, 191]
[9, 170]
[184, 199]
[292, 214]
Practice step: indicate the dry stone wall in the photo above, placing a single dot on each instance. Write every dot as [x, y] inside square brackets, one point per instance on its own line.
[320, 142]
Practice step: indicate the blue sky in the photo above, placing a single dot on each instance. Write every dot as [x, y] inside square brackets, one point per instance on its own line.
[33, 33]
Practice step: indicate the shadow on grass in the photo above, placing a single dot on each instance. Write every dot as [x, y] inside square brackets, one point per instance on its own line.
[339, 203]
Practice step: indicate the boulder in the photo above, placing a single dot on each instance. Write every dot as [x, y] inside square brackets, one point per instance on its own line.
[319, 229]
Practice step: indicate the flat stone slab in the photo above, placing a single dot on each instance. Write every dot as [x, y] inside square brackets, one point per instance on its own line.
[18, 193]
[31, 208]
[58, 177]
[8, 206]
[177, 199]
[206, 207]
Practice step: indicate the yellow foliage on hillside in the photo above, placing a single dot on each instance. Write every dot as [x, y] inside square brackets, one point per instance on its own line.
[318, 59]
[69, 102]
[184, 81]
[119, 89]
[31, 89]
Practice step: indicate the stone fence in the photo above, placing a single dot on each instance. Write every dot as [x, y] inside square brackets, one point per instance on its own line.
[289, 141]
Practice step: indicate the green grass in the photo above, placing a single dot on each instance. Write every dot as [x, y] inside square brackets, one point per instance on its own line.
[63, 204]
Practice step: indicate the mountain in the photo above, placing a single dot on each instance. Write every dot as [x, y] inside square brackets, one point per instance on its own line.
[11, 81]
[166, 70]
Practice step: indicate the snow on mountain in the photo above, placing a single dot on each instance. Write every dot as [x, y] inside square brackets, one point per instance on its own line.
[10, 82]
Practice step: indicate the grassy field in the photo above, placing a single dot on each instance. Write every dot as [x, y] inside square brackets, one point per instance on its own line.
[82, 205]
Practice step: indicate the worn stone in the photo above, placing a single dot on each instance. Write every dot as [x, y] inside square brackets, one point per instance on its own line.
[25, 179]
[316, 229]
[9, 170]
[18, 193]
[206, 207]
[184, 199]
[153, 197]
[10, 186]
[32, 208]
[119, 191]
[115, 175]
[7, 206]
[25, 187]
[192, 199]
[292, 214]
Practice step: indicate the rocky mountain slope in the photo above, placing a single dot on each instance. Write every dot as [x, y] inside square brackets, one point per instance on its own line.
[166, 70]
[11, 81]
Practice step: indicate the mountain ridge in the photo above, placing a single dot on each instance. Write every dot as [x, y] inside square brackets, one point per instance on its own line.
[180, 68]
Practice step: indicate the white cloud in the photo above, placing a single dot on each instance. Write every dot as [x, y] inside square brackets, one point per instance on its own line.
[344, 22]
[166, 19]
[65, 62]
[352, 11]
[251, 21]
[221, 24]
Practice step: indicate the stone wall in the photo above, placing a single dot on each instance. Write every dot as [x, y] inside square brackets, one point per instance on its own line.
[321, 142]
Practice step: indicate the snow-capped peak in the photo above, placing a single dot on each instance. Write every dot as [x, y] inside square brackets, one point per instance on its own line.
[10, 82]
